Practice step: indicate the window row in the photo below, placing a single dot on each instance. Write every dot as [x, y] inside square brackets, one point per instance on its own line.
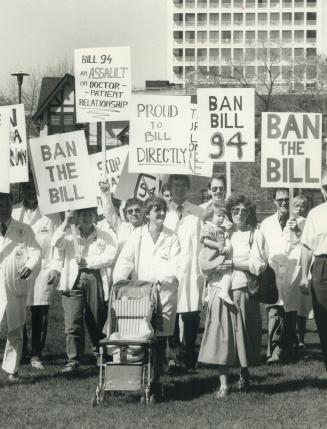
[243, 56]
[244, 3]
[227, 19]
[249, 37]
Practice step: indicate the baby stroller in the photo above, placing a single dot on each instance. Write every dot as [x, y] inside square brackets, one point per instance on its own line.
[127, 354]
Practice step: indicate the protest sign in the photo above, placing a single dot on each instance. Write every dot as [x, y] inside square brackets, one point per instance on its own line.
[4, 149]
[291, 150]
[140, 186]
[102, 84]
[199, 164]
[159, 134]
[115, 159]
[63, 173]
[227, 124]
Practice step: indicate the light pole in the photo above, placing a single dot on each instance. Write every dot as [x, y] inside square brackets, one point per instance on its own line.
[20, 78]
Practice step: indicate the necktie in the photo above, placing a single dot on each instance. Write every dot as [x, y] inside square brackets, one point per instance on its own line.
[282, 222]
[3, 229]
[179, 212]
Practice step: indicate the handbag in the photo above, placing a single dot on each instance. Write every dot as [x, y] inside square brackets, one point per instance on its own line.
[263, 287]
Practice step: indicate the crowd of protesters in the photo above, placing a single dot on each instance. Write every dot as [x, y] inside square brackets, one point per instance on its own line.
[199, 255]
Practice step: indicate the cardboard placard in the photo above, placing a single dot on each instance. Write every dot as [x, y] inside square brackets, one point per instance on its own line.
[62, 168]
[102, 84]
[159, 134]
[4, 149]
[227, 124]
[115, 159]
[140, 186]
[199, 163]
[291, 150]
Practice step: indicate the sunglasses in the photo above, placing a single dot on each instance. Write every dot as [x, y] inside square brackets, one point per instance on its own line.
[217, 188]
[238, 210]
[282, 200]
[136, 211]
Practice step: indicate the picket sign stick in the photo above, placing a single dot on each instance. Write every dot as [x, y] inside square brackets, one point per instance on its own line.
[291, 197]
[104, 153]
[157, 186]
[73, 229]
[228, 180]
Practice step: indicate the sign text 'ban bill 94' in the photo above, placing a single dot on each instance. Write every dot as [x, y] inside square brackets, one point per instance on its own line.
[227, 123]
[61, 167]
[291, 150]
[159, 134]
[102, 84]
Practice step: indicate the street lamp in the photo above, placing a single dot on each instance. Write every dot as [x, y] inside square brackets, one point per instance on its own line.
[20, 77]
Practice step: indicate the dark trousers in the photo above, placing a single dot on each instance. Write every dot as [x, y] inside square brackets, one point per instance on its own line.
[85, 301]
[282, 338]
[39, 325]
[191, 321]
[319, 300]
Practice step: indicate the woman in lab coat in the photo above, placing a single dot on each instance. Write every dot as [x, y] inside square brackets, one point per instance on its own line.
[152, 253]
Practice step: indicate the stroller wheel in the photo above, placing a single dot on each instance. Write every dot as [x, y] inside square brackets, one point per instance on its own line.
[94, 400]
[152, 399]
[143, 399]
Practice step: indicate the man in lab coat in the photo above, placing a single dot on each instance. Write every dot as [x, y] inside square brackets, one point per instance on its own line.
[19, 256]
[282, 339]
[183, 217]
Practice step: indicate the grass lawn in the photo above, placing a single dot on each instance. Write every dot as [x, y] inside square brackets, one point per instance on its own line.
[285, 396]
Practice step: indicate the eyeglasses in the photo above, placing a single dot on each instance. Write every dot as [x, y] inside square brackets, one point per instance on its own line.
[238, 210]
[282, 200]
[217, 188]
[136, 211]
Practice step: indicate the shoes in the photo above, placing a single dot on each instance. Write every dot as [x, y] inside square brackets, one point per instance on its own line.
[222, 392]
[243, 384]
[301, 347]
[70, 368]
[37, 364]
[273, 359]
[14, 378]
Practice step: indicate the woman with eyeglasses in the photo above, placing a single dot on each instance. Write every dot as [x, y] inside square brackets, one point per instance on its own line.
[132, 212]
[232, 333]
[152, 253]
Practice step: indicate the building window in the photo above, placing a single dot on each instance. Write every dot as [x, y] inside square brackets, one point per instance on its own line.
[262, 3]
[298, 36]
[238, 19]
[178, 3]
[311, 18]
[214, 19]
[214, 71]
[311, 3]
[178, 19]
[250, 19]
[190, 55]
[214, 36]
[262, 19]
[190, 19]
[274, 36]
[202, 19]
[226, 56]
[298, 54]
[287, 18]
[238, 3]
[190, 3]
[287, 36]
[311, 53]
[190, 36]
[202, 55]
[226, 72]
[226, 36]
[226, 3]
[249, 3]
[226, 19]
[311, 36]
[250, 72]
[61, 122]
[274, 3]
[250, 37]
[299, 72]
[202, 3]
[249, 55]
[202, 36]
[262, 55]
[262, 36]
[178, 55]
[238, 56]
[298, 18]
[214, 55]
[287, 3]
[178, 72]
[274, 18]
[214, 3]
[274, 55]
[238, 36]
[298, 3]
[287, 54]
[178, 37]
[189, 72]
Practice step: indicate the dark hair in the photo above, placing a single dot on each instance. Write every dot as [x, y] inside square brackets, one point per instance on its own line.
[279, 190]
[236, 200]
[218, 177]
[94, 210]
[132, 202]
[6, 196]
[183, 177]
[165, 187]
[211, 209]
[154, 202]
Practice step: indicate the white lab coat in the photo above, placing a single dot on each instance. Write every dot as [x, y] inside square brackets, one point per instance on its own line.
[40, 291]
[152, 262]
[188, 229]
[283, 257]
[18, 249]
[98, 249]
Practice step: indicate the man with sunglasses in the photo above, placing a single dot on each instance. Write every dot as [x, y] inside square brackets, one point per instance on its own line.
[282, 339]
[314, 244]
[216, 190]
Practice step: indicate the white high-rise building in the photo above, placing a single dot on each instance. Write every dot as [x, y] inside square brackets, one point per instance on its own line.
[221, 39]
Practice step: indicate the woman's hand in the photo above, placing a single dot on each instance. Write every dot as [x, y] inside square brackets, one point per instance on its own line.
[304, 286]
[69, 218]
[225, 266]
[104, 186]
[292, 225]
[24, 273]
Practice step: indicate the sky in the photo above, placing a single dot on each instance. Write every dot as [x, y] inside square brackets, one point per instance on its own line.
[35, 34]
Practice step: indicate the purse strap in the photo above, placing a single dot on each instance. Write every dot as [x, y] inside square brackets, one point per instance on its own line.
[251, 238]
